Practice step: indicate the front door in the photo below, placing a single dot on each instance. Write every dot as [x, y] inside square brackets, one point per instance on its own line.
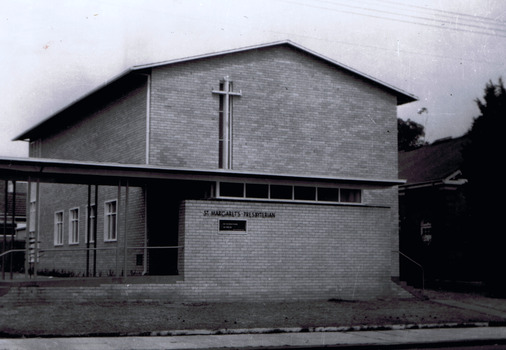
[163, 220]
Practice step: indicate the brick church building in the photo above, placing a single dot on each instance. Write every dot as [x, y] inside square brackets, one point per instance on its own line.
[267, 172]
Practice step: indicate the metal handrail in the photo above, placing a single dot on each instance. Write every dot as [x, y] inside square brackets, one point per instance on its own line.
[85, 249]
[12, 251]
[7, 253]
[40, 250]
[414, 262]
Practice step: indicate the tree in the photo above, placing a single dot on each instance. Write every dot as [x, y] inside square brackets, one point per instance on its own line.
[409, 135]
[482, 162]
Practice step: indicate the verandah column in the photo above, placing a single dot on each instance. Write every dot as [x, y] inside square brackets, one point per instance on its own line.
[13, 223]
[4, 246]
[118, 207]
[88, 231]
[125, 231]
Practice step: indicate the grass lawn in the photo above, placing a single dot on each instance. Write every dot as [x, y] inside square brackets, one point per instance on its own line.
[66, 319]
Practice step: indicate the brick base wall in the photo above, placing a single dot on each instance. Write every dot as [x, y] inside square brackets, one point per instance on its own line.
[289, 251]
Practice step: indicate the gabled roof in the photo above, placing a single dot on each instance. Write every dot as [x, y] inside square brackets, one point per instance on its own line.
[402, 96]
[438, 161]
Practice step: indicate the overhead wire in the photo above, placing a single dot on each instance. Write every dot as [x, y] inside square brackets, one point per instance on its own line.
[446, 13]
[417, 17]
[456, 17]
[442, 24]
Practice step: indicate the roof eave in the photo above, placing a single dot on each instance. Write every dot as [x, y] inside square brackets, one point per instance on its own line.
[90, 172]
[25, 136]
[403, 97]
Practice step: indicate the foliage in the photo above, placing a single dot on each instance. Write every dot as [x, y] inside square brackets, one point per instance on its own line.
[409, 135]
[482, 159]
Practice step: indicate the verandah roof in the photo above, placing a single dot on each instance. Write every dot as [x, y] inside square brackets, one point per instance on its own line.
[80, 172]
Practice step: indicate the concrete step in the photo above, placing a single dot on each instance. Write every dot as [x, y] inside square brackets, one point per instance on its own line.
[416, 292]
[4, 290]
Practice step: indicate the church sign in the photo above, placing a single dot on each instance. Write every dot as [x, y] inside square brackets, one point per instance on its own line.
[233, 225]
[238, 213]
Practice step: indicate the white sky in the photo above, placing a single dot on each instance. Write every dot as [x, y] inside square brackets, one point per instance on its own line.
[443, 51]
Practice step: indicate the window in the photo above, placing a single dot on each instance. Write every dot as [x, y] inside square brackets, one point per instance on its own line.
[91, 214]
[289, 192]
[33, 207]
[328, 194]
[58, 228]
[231, 189]
[351, 195]
[110, 221]
[74, 226]
[281, 192]
[257, 191]
[305, 193]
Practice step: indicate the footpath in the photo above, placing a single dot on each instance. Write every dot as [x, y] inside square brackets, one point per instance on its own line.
[444, 319]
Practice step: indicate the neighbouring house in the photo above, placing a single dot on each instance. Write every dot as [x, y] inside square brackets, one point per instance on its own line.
[434, 223]
[267, 172]
[12, 224]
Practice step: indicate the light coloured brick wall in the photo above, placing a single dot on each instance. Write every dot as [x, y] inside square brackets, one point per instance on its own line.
[106, 131]
[304, 252]
[109, 260]
[297, 115]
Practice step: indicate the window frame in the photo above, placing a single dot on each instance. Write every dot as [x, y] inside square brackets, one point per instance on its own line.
[59, 227]
[91, 223]
[73, 229]
[293, 199]
[107, 234]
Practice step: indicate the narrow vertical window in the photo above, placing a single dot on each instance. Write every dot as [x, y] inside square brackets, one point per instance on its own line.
[33, 208]
[58, 228]
[225, 122]
[91, 215]
[110, 221]
[74, 226]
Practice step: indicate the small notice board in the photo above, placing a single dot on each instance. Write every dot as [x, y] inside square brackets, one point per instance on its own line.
[233, 225]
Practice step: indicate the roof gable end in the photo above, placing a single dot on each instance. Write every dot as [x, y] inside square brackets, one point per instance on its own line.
[402, 96]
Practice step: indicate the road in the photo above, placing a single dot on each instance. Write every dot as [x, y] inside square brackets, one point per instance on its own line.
[443, 338]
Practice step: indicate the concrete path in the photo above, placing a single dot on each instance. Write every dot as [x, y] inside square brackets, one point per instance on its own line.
[469, 305]
[252, 341]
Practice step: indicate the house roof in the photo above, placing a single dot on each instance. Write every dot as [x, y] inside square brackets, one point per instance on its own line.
[402, 96]
[20, 201]
[434, 162]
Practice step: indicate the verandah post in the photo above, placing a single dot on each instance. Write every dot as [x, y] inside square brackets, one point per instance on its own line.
[13, 222]
[27, 228]
[4, 247]
[125, 231]
[118, 206]
[95, 233]
[88, 228]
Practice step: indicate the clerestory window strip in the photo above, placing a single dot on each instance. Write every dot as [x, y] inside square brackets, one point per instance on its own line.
[295, 193]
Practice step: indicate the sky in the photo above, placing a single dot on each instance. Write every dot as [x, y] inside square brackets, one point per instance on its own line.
[442, 51]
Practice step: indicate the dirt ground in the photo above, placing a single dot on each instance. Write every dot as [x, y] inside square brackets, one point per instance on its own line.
[124, 318]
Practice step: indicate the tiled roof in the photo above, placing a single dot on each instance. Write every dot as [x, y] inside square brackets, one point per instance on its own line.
[432, 162]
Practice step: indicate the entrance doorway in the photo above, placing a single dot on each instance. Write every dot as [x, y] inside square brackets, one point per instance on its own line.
[163, 202]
